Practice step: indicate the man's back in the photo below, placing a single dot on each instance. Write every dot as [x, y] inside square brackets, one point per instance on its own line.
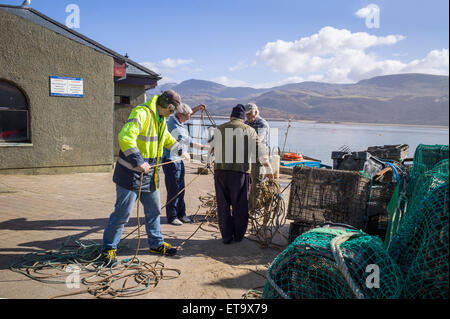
[236, 146]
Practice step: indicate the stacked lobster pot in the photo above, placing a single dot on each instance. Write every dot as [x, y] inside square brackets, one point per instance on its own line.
[382, 165]
[321, 195]
[356, 192]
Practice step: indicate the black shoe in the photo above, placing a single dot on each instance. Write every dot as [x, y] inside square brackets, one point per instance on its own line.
[227, 242]
[165, 249]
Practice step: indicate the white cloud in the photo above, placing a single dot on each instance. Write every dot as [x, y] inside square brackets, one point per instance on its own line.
[436, 62]
[229, 82]
[338, 55]
[170, 65]
[173, 63]
[151, 66]
[241, 65]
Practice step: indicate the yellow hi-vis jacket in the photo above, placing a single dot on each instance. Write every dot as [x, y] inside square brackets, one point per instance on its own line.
[141, 140]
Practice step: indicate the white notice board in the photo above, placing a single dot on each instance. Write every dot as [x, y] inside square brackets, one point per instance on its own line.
[66, 86]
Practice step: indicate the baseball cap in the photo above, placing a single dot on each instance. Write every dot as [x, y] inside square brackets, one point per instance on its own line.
[250, 107]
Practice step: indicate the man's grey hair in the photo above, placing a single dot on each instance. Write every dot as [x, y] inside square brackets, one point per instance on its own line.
[251, 108]
[184, 109]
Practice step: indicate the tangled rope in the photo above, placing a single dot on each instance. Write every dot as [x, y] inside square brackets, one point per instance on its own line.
[209, 203]
[268, 217]
[131, 276]
[113, 280]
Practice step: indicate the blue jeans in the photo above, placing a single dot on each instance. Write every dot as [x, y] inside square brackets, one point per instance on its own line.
[174, 178]
[125, 200]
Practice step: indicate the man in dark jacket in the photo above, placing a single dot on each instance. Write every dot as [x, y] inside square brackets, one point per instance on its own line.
[262, 128]
[236, 147]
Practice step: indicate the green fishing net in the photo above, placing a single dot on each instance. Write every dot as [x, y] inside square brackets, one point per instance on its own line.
[333, 263]
[420, 244]
[425, 159]
[336, 262]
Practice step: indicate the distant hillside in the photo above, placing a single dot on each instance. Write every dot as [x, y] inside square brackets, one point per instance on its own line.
[395, 99]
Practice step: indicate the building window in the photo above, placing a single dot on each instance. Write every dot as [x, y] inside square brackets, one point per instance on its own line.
[13, 114]
[120, 99]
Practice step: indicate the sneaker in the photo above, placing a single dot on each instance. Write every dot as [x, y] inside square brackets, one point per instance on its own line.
[165, 249]
[176, 222]
[109, 256]
[186, 220]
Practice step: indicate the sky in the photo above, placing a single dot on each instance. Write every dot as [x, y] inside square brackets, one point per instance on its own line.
[264, 43]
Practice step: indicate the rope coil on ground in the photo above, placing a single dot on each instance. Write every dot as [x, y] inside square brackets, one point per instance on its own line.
[269, 216]
[131, 277]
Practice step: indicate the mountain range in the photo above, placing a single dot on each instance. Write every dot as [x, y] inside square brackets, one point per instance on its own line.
[420, 99]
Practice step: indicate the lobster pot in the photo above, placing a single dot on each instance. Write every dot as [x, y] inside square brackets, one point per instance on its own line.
[323, 195]
[380, 196]
[390, 152]
[330, 263]
[297, 228]
[357, 161]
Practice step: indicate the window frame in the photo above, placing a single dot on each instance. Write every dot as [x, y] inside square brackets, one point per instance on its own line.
[23, 108]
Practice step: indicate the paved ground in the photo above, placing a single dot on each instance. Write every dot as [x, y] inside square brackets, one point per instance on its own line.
[42, 212]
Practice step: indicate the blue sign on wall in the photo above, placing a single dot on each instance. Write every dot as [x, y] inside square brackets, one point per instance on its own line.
[66, 86]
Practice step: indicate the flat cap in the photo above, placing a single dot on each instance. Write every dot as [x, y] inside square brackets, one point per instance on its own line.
[250, 107]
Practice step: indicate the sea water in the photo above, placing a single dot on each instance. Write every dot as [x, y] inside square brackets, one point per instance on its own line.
[319, 140]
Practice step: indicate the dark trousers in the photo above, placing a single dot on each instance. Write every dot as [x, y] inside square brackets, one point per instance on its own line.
[232, 189]
[174, 178]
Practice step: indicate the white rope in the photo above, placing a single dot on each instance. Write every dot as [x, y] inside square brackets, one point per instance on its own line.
[274, 285]
[339, 258]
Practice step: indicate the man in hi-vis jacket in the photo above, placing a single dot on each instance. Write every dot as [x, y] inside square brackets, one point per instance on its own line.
[141, 142]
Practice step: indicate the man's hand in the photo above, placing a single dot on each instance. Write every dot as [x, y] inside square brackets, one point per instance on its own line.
[198, 108]
[186, 156]
[269, 171]
[206, 147]
[145, 167]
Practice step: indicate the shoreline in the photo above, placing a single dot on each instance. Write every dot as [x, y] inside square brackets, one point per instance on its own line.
[338, 122]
